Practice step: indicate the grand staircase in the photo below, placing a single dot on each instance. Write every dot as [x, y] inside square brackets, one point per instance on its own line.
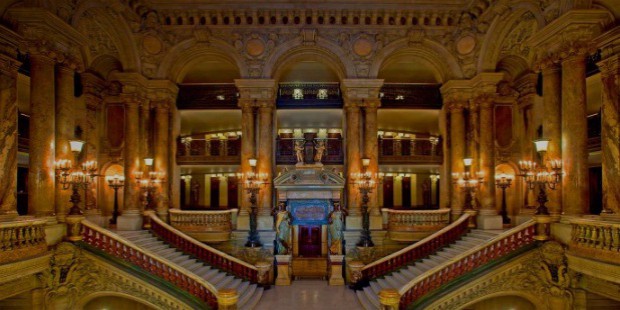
[249, 294]
[368, 296]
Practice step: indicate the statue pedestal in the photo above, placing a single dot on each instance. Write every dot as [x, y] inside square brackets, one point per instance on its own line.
[335, 277]
[284, 275]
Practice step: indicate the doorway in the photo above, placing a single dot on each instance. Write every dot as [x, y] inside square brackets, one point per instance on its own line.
[309, 241]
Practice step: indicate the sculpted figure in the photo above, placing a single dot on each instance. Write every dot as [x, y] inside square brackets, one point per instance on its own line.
[299, 150]
[320, 150]
[336, 225]
[283, 230]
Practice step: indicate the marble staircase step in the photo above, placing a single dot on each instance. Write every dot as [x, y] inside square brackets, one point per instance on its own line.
[372, 297]
[251, 303]
[364, 301]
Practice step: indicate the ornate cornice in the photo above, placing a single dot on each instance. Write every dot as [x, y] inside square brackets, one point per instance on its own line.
[46, 33]
[10, 42]
[256, 91]
[609, 42]
[569, 35]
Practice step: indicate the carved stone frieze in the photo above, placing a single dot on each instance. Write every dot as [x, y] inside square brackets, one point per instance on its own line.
[75, 274]
[541, 275]
[515, 42]
[99, 41]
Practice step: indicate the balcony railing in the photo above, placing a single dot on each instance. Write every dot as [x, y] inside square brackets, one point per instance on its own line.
[407, 151]
[204, 226]
[207, 96]
[408, 96]
[596, 239]
[414, 225]
[309, 95]
[213, 151]
[22, 239]
[285, 152]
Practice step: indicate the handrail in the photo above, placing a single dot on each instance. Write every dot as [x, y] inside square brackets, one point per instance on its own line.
[441, 211]
[119, 247]
[418, 250]
[502, 244]
[212, 256]
[179, 211]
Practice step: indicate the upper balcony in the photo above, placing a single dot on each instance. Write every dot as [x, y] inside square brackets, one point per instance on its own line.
[409, 148]
[213, 148]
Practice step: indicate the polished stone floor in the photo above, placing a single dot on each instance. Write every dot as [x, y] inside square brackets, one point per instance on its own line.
[309, 294]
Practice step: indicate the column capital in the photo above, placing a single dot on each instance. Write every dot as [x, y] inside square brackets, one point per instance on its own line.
[9, 66]
[162, 91]
[609, 43]
[610, 66]
[256, 89]
[570, 35]
[361, 89]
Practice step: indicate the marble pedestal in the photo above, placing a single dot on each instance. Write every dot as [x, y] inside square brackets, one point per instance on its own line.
[129, 221]
[284, 275]
[335, 277]
[265, 222]
[488, 222]
[243, 222]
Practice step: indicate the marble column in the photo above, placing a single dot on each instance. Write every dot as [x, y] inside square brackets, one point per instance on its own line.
[445, 178]
[247, 148]
[552, 127]
[457, 152]
[610, 133]
[488, 216]
[131, 218]
[145, 131]
[353, 159]
[8, 138]
[161, 154]
[175, 171]
[473, 136]
[41, 174]
[265, 155]
[371, 150]
[575, 194]
[65, 131]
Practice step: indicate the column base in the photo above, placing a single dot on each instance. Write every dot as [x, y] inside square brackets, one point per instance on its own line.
[284, 275]
[335, 277]
[94, 215]
[129, 222]
[376, 222]
[264, 222]
[489, 222]
[354, 222]
[243, 222]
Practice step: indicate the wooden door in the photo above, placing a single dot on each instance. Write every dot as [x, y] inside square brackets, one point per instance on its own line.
[309, 241]
[388, 192]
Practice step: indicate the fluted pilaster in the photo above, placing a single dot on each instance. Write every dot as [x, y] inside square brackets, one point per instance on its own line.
[65, 128]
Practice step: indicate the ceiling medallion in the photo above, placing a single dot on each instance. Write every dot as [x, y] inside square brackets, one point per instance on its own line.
[466, 45]
[255, 47]
[152, 44]
[362, 47]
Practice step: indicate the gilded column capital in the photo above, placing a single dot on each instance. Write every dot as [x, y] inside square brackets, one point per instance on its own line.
[361, 89]
[246, 105]
[257, 89]
[457, 106]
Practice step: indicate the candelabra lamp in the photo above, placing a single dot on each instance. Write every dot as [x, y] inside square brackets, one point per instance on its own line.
[148, 183]
[504, 181]
[75, 178]
[365, 183]
[115, 182]
[545, 176]
[468, 183]
[253, 182]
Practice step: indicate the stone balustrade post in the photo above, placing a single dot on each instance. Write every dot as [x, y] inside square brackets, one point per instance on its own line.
[227, 299]
[335, 276]
[8, 137]
[389, 299]
[284, 269]
[355, 273]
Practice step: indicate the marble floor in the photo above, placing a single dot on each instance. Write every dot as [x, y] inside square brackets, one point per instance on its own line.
[308, 294]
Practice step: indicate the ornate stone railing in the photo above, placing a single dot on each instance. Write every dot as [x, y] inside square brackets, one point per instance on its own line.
[22, 239]
[504, 244]
[206, 226]
[118, 247]
[413, 225]
[419, 250]
[209, 255]
[596, 239]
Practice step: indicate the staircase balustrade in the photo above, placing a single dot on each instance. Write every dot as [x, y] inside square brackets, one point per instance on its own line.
[502, 245]
[22, 239]
[419, 250]
[211, 256]
[119, 247]
[595, 238]
[413, 225]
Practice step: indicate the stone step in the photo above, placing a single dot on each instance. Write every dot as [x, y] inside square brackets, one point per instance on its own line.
[401, 278]
[224, 282]
[372, 297]
[251, 303]
[363, 300]
[392, 281]
[245, 297]
[376, 288]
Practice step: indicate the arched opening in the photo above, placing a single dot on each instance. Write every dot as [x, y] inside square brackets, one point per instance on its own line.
[115, 302]
[503, 302]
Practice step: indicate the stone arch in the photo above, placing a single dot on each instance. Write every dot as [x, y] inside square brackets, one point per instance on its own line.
[525, 295]
[500, 30]
[445, 64]
[117, 30]
[513, 66]
[180, 58]
[105, 64]
[86, 299]
[294, 50]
